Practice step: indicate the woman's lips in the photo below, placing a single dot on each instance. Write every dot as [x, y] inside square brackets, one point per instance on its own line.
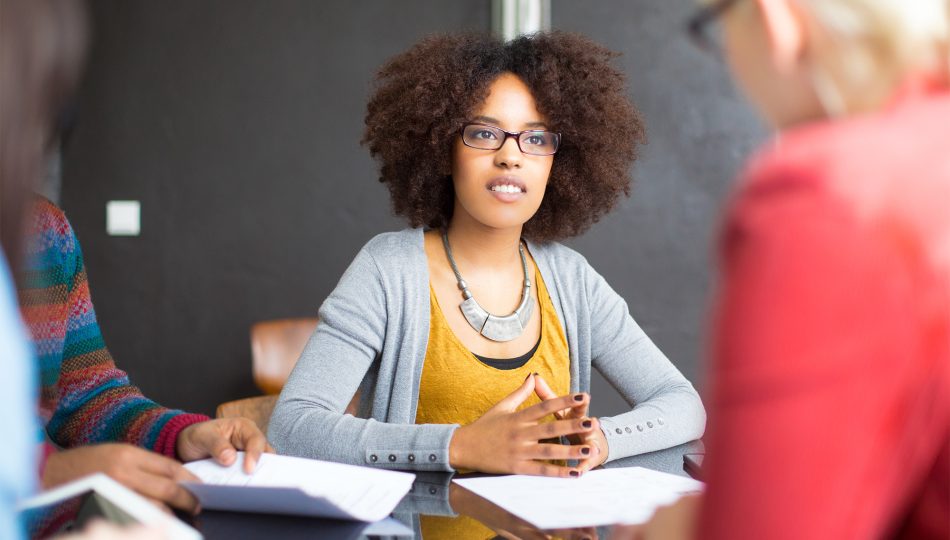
[507, 188]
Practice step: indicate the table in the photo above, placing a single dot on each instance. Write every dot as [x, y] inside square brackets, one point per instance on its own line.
[434, 508]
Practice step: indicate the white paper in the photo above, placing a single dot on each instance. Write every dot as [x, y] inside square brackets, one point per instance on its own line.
[602, 497]
[132, 504]
[299, 486]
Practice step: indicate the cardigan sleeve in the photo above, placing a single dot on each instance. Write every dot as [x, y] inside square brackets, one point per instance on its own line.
[667, 410]
[309, 419]
[87, 398]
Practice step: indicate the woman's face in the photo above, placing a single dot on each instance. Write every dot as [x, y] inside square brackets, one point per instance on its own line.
[502, 188]
[781, 90]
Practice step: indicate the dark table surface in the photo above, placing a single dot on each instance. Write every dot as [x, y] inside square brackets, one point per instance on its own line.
[434, 508]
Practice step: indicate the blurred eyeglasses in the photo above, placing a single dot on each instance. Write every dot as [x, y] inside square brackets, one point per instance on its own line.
[536, 142]
[702, 32]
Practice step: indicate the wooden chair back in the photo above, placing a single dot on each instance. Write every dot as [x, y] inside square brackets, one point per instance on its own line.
[258, 409]
[275, 347]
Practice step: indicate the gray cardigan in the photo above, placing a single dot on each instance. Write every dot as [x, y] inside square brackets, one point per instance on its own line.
[373, 333]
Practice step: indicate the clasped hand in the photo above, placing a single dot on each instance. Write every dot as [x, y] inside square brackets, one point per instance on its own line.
[505, 440]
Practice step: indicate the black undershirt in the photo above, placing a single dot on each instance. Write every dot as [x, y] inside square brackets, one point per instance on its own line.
[512, 363]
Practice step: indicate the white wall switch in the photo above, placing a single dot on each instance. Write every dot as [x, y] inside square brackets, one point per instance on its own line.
[123, 218]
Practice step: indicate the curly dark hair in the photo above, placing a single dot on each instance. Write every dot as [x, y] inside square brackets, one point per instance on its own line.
[423, 96]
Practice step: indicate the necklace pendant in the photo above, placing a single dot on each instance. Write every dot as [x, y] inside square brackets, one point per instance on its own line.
[494, 327]
[491, 326]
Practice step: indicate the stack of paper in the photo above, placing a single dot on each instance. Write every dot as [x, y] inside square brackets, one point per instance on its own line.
[298, 486]
[602, 497]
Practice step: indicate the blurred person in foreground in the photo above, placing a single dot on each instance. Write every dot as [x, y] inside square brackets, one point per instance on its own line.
[830, 379]
[94, 420]
[36, 70]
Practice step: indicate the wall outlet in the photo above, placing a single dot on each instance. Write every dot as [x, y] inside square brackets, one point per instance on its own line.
[123, 218]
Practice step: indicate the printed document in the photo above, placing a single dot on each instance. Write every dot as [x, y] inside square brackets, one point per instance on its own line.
[602, 497]
[299, 486]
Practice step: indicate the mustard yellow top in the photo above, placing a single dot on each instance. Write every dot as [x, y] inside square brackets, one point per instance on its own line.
[457, 388]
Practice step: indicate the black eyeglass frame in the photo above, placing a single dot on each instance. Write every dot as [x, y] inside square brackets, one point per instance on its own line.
[516, 135]
[697, 24]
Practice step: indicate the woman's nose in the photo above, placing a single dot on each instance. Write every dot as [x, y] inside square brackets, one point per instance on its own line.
[509, 156]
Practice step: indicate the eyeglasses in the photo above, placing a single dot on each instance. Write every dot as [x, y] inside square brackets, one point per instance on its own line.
[698, 26]
[535, 142]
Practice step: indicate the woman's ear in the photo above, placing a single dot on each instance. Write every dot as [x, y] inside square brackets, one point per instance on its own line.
[786, 30]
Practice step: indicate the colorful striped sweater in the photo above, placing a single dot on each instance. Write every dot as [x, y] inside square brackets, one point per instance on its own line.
[84, 397]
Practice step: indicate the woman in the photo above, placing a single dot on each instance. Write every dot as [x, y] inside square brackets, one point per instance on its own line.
[830, 413]
[484, 144]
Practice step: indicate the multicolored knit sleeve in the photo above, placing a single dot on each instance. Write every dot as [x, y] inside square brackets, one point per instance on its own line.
[85, 398]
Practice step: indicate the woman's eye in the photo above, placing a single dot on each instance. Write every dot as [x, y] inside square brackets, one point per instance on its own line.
[485, 134]
[536, 140]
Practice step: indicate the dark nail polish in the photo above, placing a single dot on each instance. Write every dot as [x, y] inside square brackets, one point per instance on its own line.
[536, 374]
[585, 451]
[578, 397]
[529, 376]
[587, 424]
[575, 474]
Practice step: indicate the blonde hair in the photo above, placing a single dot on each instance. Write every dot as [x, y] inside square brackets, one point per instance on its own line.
[864, 49]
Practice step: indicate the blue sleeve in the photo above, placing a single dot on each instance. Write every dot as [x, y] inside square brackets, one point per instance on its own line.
[17, 410]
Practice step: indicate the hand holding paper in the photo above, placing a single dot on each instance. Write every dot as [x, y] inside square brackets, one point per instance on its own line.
[221, 439]
[298, 486]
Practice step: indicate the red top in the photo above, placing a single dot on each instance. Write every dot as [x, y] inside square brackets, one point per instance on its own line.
[830, 390]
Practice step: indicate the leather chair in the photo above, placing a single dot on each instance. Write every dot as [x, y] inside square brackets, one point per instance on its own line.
[275, 347]
[258, 409]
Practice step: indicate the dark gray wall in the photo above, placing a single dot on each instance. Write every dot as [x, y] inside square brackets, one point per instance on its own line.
[236, 123]
[655, 248]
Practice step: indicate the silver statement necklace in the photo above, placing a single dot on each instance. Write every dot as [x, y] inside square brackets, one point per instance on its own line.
[491, 326]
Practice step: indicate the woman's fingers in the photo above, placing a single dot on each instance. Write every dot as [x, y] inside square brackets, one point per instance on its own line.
[559, 428]
[591, 459]
[542, 389]
[511, 402]
[588, 463]
[160, 465]
[549, 451]
[545, 392]
[248, 437]
[507, 440]
[548, 407]
[161, 488]
[156, 477]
